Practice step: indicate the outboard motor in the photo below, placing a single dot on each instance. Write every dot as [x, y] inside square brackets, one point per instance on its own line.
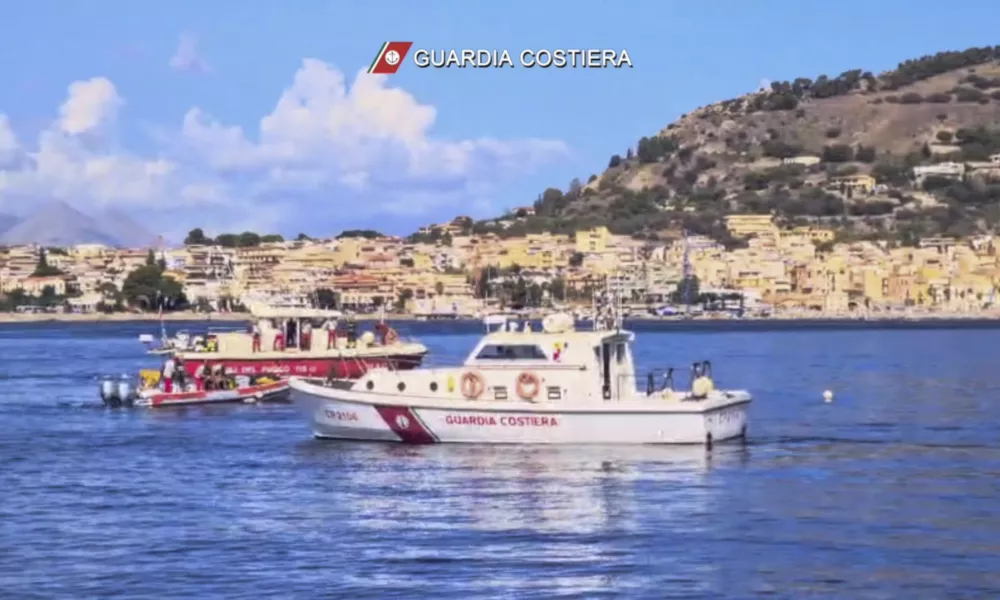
[126, 392]
[109, 392]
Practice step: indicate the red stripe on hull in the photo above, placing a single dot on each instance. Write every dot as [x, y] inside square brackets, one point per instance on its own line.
[303, 367]
[200, 397]
[404, 423]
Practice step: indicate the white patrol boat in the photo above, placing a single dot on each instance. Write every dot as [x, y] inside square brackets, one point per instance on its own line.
[554, 386]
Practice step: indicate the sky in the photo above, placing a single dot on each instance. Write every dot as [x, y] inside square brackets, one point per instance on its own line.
[260, 116]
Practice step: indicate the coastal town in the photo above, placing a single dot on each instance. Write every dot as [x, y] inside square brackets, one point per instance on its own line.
[447, 271]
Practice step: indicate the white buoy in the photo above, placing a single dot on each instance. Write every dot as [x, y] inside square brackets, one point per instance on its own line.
[827, 396]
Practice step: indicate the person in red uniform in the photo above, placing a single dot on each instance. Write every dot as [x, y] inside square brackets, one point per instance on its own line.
[279, 340]
[168, 375]
[255, 332]
[199, 377]
[331, 334]
[305, 335]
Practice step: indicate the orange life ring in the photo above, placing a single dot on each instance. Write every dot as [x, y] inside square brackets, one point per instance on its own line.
[528, 385]
[473, 385]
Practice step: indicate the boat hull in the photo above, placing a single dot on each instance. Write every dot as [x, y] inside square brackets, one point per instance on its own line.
[520, 422]
[271, 392]
[340, 367]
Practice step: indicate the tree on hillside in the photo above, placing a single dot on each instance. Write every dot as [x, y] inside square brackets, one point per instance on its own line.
[483, 282]
[360, 233]
[147, 288]
[687, 292]
[43, 268]
[405, 295]
[196, 237]
[576, 259]
[557, 289]
[227, 240]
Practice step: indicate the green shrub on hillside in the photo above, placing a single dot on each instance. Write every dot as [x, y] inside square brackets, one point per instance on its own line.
[837, 153]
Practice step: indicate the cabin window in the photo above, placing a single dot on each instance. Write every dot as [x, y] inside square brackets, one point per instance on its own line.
[510, 352]
[620, 353]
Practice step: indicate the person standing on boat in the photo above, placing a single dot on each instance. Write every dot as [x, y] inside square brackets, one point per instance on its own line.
[199, 376]
[279, 336]
[168, 375]
[331, 333]
[180, 374]
[306, 335]
[352, 332]
[255, 332]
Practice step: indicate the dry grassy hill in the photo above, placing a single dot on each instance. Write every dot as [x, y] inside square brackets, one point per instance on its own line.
[798, 149]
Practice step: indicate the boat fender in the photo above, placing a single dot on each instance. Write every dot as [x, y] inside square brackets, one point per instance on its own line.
[473, 385]
[701, 387]
[528, 385]
[451, 383]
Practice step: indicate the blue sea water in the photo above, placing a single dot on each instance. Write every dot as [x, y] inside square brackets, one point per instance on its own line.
[891, 491]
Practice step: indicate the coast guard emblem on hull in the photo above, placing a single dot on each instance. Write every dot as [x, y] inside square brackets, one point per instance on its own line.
[402, 422]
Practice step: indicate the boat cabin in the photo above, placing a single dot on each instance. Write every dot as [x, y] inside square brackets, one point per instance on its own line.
[289, 322]
[557, 351]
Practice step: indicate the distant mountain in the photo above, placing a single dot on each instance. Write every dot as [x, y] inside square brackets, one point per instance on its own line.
[123, 228]
[58, 224]
[7, 222]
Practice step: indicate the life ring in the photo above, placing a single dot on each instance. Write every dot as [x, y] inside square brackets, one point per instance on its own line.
[528, 385]
[473, 385]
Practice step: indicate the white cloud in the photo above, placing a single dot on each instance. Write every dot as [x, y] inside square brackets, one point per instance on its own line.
[368, 136]
[326, 150]
[90, 105]
[187, 56]
[8, 141]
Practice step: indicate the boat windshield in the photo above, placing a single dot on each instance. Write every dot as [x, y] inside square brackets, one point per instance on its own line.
[511, 352]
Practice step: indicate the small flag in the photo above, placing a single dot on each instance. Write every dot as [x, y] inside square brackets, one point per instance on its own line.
[390, 58]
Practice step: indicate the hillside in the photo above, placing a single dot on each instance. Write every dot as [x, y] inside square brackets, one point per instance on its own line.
[800, 149]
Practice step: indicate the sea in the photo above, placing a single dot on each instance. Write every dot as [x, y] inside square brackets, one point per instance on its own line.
[892, 490]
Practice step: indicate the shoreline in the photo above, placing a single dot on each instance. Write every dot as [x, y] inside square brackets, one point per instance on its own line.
[229, 317]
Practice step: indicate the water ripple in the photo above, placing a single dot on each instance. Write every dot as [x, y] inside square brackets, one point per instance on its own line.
[888, 492]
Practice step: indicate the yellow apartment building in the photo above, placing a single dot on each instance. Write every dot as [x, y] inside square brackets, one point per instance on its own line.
[852, 184]
[814, 234]
[744, 226]
[592, 240]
